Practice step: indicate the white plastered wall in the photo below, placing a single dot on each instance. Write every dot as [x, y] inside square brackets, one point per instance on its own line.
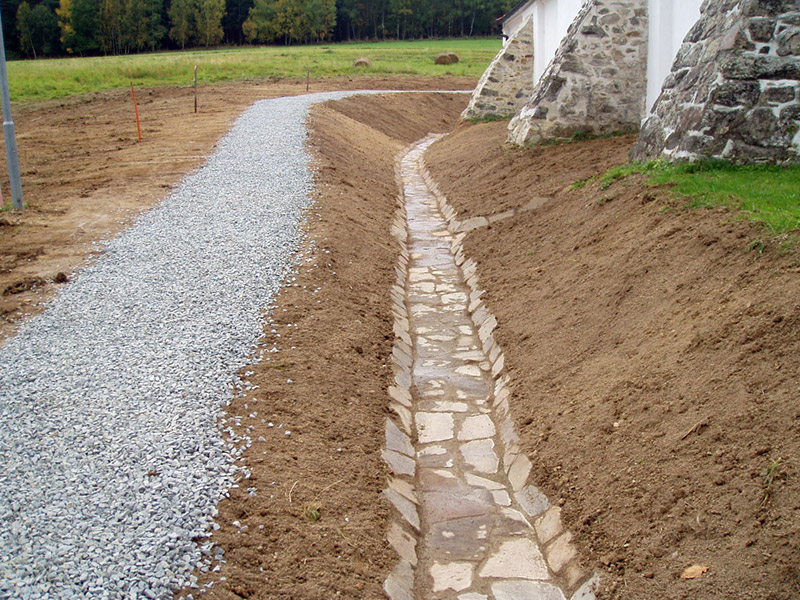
[669, 22]
[512, 25]
[551, 19]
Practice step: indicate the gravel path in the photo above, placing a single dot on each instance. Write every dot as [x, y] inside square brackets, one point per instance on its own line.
[111, 458]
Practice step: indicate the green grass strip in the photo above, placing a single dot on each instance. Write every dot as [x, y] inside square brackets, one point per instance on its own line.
[32, 80]
[766, 194]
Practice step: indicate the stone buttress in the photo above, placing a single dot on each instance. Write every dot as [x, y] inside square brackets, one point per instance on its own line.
[734, 89]
[596, 83]
[507, 84]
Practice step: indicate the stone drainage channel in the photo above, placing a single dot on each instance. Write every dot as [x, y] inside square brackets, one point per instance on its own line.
[468, 524]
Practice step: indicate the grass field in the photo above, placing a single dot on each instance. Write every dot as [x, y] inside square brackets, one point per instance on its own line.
[767, 194]
[55, 78]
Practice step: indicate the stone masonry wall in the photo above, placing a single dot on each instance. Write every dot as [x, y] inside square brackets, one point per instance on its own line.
[596, 83]
[734, 89]
[507, 84]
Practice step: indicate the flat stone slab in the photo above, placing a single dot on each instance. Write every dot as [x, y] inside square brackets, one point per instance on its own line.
[461, 539]
[526, 590]
[434, 427]
[451, 576]
[477, 427]
[517, 559]
[446, 506]
[480, 455]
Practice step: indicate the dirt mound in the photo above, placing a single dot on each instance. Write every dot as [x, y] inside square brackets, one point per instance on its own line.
[654, 357]
[316, 529]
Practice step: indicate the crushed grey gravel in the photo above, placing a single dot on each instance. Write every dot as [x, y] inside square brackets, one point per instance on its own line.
[111, 455]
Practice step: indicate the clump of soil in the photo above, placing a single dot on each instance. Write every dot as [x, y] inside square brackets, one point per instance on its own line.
[654, 358]
[310, 522]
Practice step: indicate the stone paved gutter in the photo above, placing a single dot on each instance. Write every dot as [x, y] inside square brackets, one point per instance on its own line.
[468, 524]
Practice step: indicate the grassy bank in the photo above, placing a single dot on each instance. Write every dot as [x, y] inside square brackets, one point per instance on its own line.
[56, 78]
[763, 193]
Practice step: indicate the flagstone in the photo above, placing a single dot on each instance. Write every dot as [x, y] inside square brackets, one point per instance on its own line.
[434, 427]
[526, 590]
[474, 544]
[480, 455]
[477, 427]
[451, 576]
[516, 559]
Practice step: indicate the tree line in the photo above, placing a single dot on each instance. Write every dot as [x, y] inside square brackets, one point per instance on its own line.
[38, 28]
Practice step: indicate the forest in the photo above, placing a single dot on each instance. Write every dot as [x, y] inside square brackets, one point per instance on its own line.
[45, 28]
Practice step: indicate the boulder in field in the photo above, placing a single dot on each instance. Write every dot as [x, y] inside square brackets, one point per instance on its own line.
[362, 61]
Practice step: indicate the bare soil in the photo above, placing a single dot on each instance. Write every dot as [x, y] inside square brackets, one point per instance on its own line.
[85, 176]
[653, 350]
[654, 354]
[317, 527]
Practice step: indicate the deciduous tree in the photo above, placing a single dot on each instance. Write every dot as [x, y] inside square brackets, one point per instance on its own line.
[80, 25]
[181, 17]
[208, 18]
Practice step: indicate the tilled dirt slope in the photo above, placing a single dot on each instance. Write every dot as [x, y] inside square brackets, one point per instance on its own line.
[316, 527]
[654, 359]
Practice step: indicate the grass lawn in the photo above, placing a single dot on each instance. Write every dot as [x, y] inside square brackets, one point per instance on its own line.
[56, 78]
[765, 194]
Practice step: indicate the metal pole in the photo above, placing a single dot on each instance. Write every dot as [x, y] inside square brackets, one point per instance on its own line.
[8, 130]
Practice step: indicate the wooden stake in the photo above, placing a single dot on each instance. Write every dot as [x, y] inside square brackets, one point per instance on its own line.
[308, 77]
[136, 108]
[195, 89]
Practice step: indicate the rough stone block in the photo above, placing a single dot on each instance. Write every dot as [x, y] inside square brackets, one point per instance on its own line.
[402, 380]
[397, 440]
[560, 552]
[587, 590]
[399, 463]
[508, 432]
[404, 488]
[574, 574]
[405, 415]
[532, 501]
[519, 472]
[400, 583]
[548, 526]
[498, 365]
[403, 543]
[401, 359]
[404, 506]
[403, 396]
[510, 456]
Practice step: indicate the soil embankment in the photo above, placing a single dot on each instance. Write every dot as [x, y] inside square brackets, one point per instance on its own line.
[327, 384]
[654, 354]
[653, 350]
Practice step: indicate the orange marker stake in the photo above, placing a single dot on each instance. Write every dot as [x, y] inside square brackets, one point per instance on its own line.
[136, 108]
